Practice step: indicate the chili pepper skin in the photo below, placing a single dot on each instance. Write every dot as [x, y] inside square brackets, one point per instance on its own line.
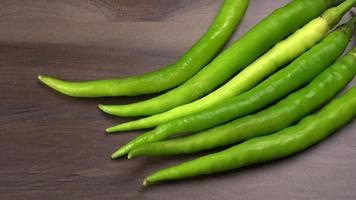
[258, 40]
[307, 132]
[200, 54]
[246, 79]
[299, 73]
[273, 119]
[275, 58]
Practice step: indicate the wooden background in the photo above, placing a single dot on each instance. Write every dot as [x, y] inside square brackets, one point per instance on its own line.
[54, 147]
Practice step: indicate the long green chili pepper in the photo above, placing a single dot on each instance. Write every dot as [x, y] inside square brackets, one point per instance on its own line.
[253, 44]
[306, 133]
[278, 56]
[300, 72]
[200, 54]
[275, 118]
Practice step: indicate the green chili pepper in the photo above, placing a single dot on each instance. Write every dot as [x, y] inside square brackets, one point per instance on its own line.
[200, 54]
[275, 118]
[300, 72]
[278, 56]
[253, 44]
[306, 133]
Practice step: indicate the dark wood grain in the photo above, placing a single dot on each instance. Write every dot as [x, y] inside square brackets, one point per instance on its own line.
[54, 147]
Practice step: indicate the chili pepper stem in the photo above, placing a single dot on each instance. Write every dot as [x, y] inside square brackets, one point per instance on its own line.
[334, 15]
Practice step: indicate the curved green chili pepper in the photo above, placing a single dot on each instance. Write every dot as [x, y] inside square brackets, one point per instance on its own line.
[278, 56]
[300, 72]
[306, 133]
[200, 54]
[275, 118]
[253, 44]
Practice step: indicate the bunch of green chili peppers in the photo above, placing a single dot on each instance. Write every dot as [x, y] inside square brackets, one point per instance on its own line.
[270, 93]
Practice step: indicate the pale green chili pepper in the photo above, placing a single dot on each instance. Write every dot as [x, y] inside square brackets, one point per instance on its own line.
[278, 56]
[279, 116]
[280, 24]
[300, 72]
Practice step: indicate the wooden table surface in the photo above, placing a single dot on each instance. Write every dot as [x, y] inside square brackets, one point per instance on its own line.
[54, 147]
